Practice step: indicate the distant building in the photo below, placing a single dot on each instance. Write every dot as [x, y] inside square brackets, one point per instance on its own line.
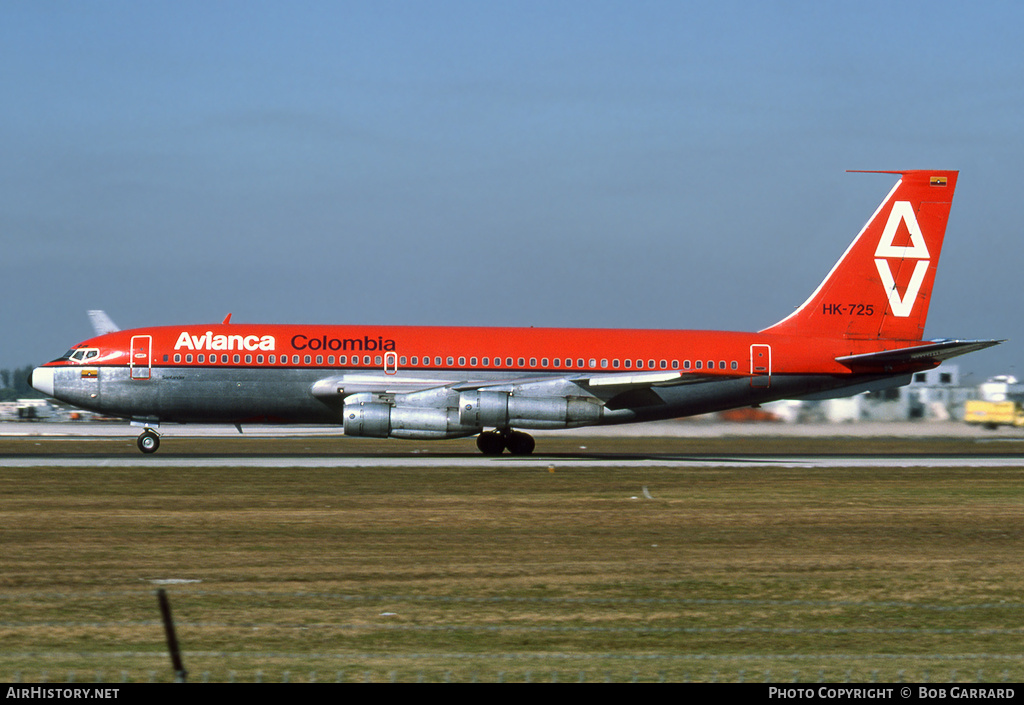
[25, 410]
[933, 395]
[1001, 388]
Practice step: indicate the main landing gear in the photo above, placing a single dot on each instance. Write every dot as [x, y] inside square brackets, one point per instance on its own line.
[495, 442]
[148, 441]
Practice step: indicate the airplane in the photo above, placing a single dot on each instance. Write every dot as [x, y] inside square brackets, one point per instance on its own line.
[861, 329]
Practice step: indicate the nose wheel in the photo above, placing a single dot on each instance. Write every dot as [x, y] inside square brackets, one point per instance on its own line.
[495, 442]
[148, 441]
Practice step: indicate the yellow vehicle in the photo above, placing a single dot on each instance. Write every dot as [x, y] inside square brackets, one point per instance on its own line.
[994, 413]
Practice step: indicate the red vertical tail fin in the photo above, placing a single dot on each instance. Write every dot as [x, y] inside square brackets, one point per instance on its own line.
[881, 287]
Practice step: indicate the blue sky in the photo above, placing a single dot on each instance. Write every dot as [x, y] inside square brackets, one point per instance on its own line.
[606, 164]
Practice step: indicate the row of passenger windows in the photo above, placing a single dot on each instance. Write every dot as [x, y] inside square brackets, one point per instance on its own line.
[449, 361]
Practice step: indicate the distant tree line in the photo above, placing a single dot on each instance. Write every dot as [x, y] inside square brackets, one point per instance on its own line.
[14, 384]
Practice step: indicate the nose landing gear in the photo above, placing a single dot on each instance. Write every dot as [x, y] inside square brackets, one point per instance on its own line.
[148, 441]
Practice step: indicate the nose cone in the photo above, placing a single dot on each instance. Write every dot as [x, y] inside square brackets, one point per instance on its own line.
[41, 380]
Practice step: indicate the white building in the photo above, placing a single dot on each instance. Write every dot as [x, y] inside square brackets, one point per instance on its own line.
[933, 395]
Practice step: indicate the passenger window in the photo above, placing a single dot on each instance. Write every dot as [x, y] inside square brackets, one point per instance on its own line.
[579, 363]
[248, 359]
[627, 363]
[450, 361]
[177, 357]
[533, 362]
[522, 362]
[437, 361]
[462, 362]
[472, 362]
[543, 362]
[699, 364]
[686, 364]
[508, 362]
[487, 362]
[734, 365]
[639, 364]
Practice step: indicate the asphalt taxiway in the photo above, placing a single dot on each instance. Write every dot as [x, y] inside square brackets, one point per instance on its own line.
[576, 448]
[552, 463]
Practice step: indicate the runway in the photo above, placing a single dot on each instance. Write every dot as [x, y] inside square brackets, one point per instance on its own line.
[536, 462]
[671, 445]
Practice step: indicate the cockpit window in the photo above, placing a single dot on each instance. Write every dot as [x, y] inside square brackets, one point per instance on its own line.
[83, 354]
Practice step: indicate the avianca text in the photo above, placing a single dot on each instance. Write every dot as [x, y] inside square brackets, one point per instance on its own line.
[209, 341]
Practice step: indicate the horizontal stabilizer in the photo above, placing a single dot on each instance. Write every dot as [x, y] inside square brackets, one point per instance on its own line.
[934, 351]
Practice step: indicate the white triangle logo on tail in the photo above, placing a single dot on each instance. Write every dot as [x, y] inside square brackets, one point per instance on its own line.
[902, 211]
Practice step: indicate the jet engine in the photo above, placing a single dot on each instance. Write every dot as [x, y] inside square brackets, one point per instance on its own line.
[370, 416]
[377, 419]
[482, 408]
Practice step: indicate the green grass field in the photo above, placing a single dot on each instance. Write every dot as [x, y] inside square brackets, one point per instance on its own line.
[753, 573]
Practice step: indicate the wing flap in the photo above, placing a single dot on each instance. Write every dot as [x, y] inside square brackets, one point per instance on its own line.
[638, 389]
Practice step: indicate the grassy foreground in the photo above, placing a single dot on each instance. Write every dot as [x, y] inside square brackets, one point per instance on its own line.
[652, 573]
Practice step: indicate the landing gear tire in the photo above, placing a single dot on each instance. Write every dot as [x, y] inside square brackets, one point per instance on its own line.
[148, 442]
[490, 443]
[519, 443]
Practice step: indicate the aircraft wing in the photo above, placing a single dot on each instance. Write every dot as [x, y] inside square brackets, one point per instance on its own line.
[638, 389]
[933, 351]
[409, 382]
[615, 390]
[377, 383]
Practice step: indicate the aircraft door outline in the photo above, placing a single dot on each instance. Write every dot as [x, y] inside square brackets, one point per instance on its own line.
[140, 362]
[760, 365]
